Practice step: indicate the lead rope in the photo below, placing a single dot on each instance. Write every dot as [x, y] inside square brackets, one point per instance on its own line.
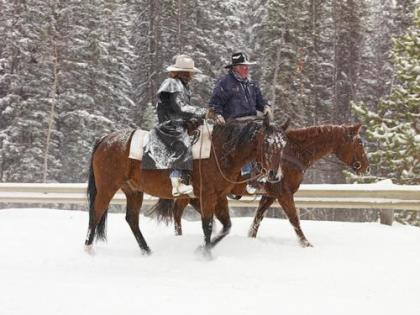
[199, 171]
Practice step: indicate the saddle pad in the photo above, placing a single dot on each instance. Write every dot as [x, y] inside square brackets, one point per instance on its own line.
[141, 138]
[138, 141]
[203, 143]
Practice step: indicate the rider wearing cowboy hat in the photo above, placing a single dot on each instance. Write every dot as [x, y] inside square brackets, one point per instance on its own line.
[171, 148]
[236, 97]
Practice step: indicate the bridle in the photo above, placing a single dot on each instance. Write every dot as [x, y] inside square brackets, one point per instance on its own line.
[356, 164]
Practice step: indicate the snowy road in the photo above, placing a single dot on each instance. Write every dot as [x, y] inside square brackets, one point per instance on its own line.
[354, 268]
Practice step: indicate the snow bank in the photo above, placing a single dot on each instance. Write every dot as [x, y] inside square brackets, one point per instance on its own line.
[354, 268]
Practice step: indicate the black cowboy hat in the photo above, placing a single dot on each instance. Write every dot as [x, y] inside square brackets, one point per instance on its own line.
[239, 59]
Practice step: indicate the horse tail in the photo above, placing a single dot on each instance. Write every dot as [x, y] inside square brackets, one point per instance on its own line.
[164, 210]
[100, 230]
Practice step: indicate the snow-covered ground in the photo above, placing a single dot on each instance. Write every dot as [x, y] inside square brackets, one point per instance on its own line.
[354, 268]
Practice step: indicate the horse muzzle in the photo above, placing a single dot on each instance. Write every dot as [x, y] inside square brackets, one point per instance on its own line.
[357, 167]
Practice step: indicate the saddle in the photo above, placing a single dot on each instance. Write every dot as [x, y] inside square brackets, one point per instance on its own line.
[200, 149]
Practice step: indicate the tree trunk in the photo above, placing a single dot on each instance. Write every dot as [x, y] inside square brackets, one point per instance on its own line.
[54, 97]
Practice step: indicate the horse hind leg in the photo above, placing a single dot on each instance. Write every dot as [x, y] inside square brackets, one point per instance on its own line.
[179, 207]
[97, 218]
[134, 202]
[264, 204]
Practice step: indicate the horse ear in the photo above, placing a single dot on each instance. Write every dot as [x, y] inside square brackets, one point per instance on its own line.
[286, 124]
[355, 129]
[266, 121]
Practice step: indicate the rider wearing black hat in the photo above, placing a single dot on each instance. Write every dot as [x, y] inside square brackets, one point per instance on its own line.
[237, 97]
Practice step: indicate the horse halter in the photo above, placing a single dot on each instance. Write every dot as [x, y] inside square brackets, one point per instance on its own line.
[356, 164]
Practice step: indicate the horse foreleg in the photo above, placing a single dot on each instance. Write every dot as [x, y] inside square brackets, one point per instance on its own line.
[207, 225]
[222, 214]
[264, 204]
[179, 207]
[288, 204]
[134, 202]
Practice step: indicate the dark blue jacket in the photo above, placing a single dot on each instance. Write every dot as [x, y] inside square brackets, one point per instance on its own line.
[234, 98]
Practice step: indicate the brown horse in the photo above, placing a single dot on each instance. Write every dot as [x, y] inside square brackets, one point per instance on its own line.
[235, 144]
[304, 147]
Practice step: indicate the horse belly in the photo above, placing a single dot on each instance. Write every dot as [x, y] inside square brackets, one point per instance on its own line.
[152, 182]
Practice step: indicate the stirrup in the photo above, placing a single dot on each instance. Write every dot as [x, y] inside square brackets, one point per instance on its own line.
[234, 197]
[251, 189]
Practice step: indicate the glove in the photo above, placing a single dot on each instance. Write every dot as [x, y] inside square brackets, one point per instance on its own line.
[268, 112]
[196, 120]
[220, 120]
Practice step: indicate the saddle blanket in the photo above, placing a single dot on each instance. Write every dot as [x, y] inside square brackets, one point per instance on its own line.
[203, 144]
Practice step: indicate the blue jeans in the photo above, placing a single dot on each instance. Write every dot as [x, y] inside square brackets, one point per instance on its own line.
[246, 170]
[175, 174]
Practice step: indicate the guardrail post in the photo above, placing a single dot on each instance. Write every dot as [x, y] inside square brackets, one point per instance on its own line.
[386, 216]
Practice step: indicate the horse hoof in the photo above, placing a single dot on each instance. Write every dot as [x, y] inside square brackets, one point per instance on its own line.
[305, 243]
[204, 252]
[252, 232]
[146, 252]
[89, 250]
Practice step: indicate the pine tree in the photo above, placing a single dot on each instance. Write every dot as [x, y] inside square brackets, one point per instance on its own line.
[27, 87]
[96, 92]
[347, 29]
[376, 70]
[281, 43]
[395, 126]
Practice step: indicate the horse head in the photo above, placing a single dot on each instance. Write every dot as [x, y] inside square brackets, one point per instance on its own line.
[351, 150]
[270, 146]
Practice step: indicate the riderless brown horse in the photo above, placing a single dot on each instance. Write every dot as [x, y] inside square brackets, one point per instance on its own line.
[304, 147]
[235, 144]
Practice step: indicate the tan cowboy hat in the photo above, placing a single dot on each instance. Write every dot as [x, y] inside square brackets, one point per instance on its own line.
[183, 63]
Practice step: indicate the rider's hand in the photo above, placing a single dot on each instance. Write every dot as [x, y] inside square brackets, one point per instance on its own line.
[220, 120]
[268, 112]
[196, 120]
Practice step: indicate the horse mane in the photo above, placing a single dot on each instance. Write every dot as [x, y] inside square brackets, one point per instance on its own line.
[235, 134]
[309, 133]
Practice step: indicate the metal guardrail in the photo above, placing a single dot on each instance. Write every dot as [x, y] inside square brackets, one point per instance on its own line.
[344, 196]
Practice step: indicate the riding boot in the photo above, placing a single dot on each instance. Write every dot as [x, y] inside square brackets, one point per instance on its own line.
[246, 173]
[178, 187]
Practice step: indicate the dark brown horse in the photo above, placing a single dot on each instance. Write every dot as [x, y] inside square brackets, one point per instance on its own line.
[304, 147]
[235, 144]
